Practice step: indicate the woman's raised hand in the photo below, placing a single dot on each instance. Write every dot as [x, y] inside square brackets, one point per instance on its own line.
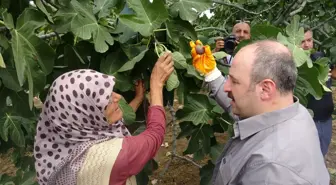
[160, 74]
[161, 71]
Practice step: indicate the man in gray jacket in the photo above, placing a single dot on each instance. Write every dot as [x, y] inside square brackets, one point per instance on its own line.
[275, 139]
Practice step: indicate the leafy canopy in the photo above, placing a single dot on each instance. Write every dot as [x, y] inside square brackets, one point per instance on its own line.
[124, 38]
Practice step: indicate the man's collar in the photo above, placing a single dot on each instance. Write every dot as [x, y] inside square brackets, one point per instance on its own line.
[255, 124]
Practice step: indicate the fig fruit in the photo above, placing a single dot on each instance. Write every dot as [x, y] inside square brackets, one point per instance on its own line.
[199, 49]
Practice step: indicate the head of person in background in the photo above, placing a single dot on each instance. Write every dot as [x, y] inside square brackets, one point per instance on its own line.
[241, 31]
[307, 43]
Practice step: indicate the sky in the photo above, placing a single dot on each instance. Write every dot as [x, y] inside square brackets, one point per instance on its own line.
[207, 13]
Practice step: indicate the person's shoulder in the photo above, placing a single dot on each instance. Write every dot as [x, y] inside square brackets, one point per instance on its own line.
[316, 55]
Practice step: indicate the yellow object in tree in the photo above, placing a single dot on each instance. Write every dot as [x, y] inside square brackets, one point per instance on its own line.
[203, 60]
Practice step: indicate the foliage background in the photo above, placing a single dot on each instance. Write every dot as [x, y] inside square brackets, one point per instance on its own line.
[123, 38]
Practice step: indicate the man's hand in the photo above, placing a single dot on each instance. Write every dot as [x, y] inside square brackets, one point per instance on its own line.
[219, 44]
[203, 63]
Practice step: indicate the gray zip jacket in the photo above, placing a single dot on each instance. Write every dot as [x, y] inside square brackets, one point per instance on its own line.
[276, 148]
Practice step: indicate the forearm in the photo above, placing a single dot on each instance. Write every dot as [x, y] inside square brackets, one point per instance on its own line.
[216, 84]
[143, 147]
[135, 103]
[138, 150]
[156, 97]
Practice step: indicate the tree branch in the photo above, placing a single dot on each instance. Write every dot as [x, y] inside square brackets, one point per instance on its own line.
[48, 35]
[172, 112]
[174, 154]
[187, 159]
[243, 9]
[211, 28]
[321, 24]
[299, 9]
[45, 36]
[323, 32]
[282, 16]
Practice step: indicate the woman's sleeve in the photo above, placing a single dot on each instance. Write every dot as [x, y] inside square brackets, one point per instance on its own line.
[138, 150]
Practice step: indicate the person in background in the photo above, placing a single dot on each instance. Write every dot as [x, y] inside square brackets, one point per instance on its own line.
[324, 107]
[81, 137]
[241, 31]
[275, 140]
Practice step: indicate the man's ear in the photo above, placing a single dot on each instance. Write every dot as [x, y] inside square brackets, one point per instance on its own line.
[268, 89]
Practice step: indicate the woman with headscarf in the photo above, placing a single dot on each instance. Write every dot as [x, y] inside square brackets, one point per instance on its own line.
[81, 138]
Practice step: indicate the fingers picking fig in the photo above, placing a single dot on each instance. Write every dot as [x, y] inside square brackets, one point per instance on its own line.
[199, 49]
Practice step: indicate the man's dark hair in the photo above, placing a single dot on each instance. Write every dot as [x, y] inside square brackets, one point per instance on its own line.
[274, 64]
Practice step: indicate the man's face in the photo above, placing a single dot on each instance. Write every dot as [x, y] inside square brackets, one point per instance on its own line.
[238, 86]
[307, 42]
[242, 31]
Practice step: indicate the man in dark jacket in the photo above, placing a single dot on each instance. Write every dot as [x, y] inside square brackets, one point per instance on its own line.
[324, 107]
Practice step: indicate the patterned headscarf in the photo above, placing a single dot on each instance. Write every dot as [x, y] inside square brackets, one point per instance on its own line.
[71, 121]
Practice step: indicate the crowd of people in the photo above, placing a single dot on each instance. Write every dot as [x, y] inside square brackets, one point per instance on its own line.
[81, 137]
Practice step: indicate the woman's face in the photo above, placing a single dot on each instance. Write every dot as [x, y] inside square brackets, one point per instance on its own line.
[113, 113]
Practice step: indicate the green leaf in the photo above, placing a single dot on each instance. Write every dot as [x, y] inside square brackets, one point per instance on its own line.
[78, 18]
[187, 128]
[206, 173]
[13, 129]
[300, 56]
[223, 122]
[29, 50]
[220, 54]
[149, 16]
[123, 82]
[2, 62]
[333, 54]
[200, 139]
[130, 64]
[180, 92]
[196, 109]
[8, 20]
[184, 47]
[4, 42]
[307, 78]
[186, 8]
[29, 178]
[173, 81]
[215, 152]
[177, 26]
[191, 72]
[125, 33]
[322, 64]
[9, 79]
[218, 109]
[104, 7]
[128, 113]
[264, 31]
[139, 130]
[179, 61]
[113, 62]
[294, 31]
[40, 6]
